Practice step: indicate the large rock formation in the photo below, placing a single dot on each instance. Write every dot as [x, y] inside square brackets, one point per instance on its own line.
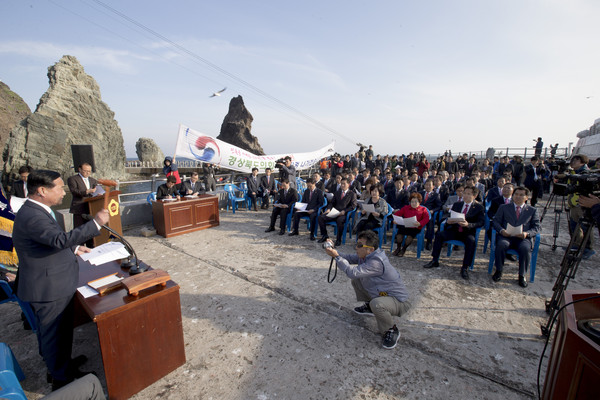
[12, 110]
[236, 127]
[147, 150]
[70, 112]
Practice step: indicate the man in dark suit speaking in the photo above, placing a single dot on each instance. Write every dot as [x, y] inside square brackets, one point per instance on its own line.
[48, 270]
[81, 186]
[516, 214]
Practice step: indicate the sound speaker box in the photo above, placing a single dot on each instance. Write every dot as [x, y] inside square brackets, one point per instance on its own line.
[83, 153]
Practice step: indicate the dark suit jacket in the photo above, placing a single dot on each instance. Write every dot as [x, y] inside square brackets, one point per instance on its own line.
[163, 191]
[433, 203]
[320, 185]
[507, 214]
[518, 173]
[77, 189]
[267, 187]
[316, 201]
[475, 216]
[496, 203]
[48, 268]
[253, 184]
[347, 204]
[397, 201]
[17, 189]
[289, 199]
[443, 193]
[530, 181]
[188, 185]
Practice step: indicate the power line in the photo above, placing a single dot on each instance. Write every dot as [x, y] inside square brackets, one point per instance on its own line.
[222, 71]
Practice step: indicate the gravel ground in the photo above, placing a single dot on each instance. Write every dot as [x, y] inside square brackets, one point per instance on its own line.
[261, 322]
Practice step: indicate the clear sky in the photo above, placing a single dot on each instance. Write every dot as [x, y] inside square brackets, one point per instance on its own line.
[401, 75]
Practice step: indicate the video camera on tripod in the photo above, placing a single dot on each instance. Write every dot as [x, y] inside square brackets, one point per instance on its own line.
[578, 184]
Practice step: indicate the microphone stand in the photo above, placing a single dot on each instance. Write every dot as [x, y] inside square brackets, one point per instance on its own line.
[132, 264]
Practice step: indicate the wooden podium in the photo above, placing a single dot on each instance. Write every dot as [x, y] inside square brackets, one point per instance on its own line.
[96, 204]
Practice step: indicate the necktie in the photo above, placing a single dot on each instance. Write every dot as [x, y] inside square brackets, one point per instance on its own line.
[53, 215]
[310, 196]
[426, 196]
[460, 199]
[342, 195]
[506, 201]
[460, 228]
[518, 211]
[25, 188]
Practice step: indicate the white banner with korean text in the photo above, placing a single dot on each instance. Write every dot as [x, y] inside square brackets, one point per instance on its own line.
[198, 146]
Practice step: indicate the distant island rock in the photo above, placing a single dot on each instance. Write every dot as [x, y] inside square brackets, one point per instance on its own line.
[70, 112]
[236, 127]
[13, 110]
[147, 150]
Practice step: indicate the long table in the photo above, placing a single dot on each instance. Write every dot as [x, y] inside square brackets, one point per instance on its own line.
[141, 338]
[177, 217]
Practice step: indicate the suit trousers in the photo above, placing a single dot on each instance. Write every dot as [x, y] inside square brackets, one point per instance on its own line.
[88, 387]
[55, 334]
[313, 221]
[453, 234]
[384, 307]
[282, 213]
[340, 220]
[522, 246]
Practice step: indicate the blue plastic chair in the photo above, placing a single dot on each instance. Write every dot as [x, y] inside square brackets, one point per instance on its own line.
[151, 197]
[25, 307]
[420, 238]
[487, 226]
[244, 188]
[300, 185]
[347, 222]
[313, 229]
[10, 375]
[234, 199]
[452, 243]
[534, 255]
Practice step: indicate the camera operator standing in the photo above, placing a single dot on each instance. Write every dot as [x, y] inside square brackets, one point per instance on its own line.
[579, 165]
[287, 171]
[376, 282]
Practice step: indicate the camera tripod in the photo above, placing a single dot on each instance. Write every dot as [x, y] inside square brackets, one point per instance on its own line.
[558, 209]
[568, 267]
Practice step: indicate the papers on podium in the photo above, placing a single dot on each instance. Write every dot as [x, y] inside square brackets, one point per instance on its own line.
[107, 252]
[300, 206]
[408, 222]
[99, 191]
[370, 208]
[456, 216]
[333, 213]
[514, 230]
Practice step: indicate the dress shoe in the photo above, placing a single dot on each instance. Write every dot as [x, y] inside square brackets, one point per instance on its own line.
[312, 237]
[323, 239]
[269, 229]
[497, 276]
[338, 242]
[263, 207]
[282, 232]
[402, 251]
[293, 233]
[464, 273]
[522, 281]
[428, 245]
[397, 251]
[432, 264]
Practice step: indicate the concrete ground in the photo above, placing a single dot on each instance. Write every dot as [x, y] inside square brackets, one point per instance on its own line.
[261, 322]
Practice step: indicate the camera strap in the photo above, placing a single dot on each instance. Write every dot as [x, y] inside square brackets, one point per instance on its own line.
[329, 279]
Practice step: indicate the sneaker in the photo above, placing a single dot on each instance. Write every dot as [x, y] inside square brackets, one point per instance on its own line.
[390, 339]
[365, 309]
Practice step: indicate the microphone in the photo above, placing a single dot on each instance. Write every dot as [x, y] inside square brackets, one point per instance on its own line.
[132, 264]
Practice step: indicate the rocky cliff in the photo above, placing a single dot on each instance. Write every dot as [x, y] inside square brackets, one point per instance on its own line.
[236, 127]
[12, 110]
[147, 150]
[70, 112]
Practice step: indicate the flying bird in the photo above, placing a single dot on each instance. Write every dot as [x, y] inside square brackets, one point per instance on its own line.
[218, 93]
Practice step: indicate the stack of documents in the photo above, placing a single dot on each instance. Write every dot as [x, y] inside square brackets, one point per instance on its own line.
[300, 206]
[408, 222]
[107, 252]
[456, 216]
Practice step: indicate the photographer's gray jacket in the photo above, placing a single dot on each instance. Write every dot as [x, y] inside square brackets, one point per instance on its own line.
[376, 274]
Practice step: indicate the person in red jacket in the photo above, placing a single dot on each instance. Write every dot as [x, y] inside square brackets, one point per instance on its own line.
[413, 209]
[422, 166]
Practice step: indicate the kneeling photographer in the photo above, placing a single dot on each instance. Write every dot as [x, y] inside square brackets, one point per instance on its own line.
[376, 282]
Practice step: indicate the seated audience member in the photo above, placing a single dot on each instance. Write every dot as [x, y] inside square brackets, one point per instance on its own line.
[409, 232]
[463, 231]
[471, 182]
[414, 186]
[285, 198]
[377, 283]
[366, 193]
[440, 189]
[192, 187]
[344, 201]
[318, 181]
[398, 197]
[19, 187]
[497, 201]
[267, 188]
[516, 214]
[369, 221]
[334, 184]
[362, 178]
[432, 201]
[354, 184]
[495, 191]
[253, 186]
[388, 182]
[168, 189]
[314, 198]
